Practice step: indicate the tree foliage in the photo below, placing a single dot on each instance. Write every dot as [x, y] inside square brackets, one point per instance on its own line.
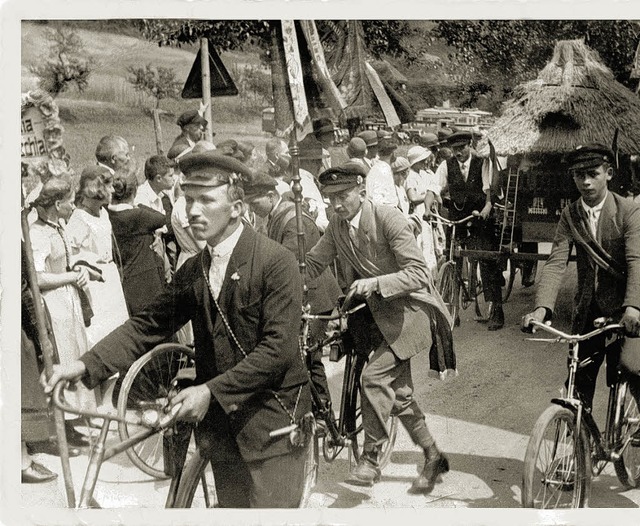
[157, 82]
[504, 53]
[381, 36]
[67, 64]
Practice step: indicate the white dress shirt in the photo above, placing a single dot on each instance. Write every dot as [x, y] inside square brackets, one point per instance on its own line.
[148, 197]
[380, 186]
[593, 213]
[220, 256]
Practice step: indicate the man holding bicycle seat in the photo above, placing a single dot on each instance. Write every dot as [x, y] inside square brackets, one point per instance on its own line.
[382, 263]
[605, 228]
[242, 294]
[467, 181]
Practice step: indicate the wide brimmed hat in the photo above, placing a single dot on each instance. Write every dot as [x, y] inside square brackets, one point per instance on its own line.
[417, 154]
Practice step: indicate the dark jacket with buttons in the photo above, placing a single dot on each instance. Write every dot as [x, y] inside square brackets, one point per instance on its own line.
[261, 296]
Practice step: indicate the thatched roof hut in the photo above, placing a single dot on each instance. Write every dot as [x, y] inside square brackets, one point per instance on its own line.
[575, 100]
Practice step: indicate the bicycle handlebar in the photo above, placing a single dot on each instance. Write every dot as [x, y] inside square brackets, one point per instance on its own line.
[161, 422]
[563, 337]
[449, 222]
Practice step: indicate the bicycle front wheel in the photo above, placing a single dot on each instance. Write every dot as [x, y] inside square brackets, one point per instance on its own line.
[197, 473]
[557, 463]
[628, 465]
[449, 288]
[145, 392]
[483, 308]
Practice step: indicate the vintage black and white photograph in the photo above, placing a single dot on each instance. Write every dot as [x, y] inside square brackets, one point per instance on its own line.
[336, 263]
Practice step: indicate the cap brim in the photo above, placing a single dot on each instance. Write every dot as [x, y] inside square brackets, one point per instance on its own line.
[587, 163]
[335, 188]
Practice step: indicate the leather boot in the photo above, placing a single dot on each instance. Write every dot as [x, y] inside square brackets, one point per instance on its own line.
[497, 318]
[435, 465]
[367, 472]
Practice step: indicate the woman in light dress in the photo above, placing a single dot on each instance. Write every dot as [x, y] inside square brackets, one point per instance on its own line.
[90, 236]
[419, 180]
[60, 282]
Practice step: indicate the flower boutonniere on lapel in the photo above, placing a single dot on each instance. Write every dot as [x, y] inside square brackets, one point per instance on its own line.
[235, 276]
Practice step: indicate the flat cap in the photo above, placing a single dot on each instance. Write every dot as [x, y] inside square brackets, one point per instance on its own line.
[356, 147]
[444, 134]
[590, 156]
[212, 169]
[259, 185]
[191, 117]
[344, 177]
[322, 125]
[370, 137]
[459, 138]
[429, 140]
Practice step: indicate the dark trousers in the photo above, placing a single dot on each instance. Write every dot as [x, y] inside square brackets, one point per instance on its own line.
[482, 236]
[272, 483]
[314, 360]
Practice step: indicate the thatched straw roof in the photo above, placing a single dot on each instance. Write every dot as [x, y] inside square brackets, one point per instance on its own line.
[575, 100]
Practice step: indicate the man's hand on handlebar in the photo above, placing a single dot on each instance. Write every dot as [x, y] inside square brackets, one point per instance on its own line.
[631, 322]
[71, 371]
[538, 315]
[195, 403]
[363, 287]
[484, 213]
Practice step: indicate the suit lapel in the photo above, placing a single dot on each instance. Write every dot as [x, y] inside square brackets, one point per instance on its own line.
[238, 267]
[366, 229]
[606, 223]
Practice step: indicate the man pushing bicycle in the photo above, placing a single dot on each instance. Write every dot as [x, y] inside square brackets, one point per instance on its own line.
[381, 260]
[605, 228]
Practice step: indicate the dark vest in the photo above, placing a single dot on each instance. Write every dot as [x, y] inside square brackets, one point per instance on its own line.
[465, 196]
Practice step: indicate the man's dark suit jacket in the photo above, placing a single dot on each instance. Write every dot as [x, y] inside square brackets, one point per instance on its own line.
[619, 234]
[261, 296]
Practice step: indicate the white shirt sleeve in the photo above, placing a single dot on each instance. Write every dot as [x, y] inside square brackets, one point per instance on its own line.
[441, 177]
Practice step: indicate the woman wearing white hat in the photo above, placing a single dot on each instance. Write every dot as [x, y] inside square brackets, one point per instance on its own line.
[419, 180]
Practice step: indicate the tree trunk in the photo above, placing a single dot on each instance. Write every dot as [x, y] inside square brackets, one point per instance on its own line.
[158, 129]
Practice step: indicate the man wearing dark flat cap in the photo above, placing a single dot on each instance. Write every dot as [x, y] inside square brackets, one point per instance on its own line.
[605, 229]
[467, 181]
[193, 125]
[243, 295]
[280, 215]
[404, 316]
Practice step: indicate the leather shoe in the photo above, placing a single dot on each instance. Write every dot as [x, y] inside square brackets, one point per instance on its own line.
[366, 473]
[50, 447]
[75, 438]
[434, 466]
[497, 319]
[37, 473]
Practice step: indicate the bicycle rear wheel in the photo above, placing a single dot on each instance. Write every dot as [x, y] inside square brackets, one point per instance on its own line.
[144, 393]
[353, 420]
[557, 463]
[476, 289]
[628, 465]
[449, 288]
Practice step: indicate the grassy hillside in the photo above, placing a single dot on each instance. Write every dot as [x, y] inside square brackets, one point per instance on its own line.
[111, 105]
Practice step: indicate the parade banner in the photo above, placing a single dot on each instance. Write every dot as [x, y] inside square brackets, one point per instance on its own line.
[295, 78]
[33, 146]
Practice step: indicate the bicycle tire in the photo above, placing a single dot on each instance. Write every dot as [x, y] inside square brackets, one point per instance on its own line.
[145, 387]
[449, 288]
[482, 307]
[628, 465]
[510, 276]
[197, 472]
[567, 471]
[353, 424]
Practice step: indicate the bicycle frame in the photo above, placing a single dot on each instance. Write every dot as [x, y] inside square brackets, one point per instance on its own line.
[100, 453]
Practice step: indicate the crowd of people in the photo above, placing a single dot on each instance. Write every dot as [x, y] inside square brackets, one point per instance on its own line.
[204, 252]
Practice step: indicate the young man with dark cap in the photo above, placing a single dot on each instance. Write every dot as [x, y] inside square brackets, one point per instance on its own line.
[193, 125]
[370, 138]
[605, 229]
[242, 294]
[324, 291]
[377, 250]
[467, 179]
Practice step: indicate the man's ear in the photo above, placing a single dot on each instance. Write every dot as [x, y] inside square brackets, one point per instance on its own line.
[609, 173]
[237, 208]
